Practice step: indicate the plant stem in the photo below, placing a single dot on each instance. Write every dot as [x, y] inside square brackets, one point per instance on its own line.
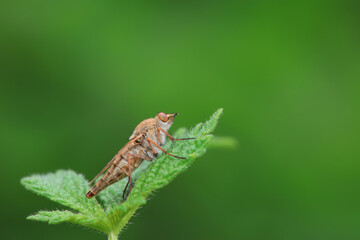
[112, 236]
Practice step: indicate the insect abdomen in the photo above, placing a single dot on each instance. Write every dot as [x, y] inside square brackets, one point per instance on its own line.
[113, 175]
[93, 192]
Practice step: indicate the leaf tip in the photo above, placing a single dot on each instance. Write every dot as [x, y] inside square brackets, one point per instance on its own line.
[218, 113]
[33, 217]
[25, 181]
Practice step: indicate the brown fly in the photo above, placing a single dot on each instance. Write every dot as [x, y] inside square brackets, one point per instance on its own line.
[145, 144]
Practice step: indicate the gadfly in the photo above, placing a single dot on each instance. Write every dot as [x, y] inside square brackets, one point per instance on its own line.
[145, 144]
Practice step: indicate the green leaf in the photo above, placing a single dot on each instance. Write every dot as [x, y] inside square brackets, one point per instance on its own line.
[65, 187]
[69, 188]
[55, 217]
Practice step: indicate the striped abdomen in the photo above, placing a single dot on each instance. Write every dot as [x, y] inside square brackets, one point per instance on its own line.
[116, 172]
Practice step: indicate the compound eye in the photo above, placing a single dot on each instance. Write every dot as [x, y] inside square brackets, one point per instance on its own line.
[163, 117]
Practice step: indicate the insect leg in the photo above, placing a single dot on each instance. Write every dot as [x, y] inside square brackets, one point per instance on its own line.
[131, 185]
[130, 182]
[152, 142]
[130, 178]
[152, 149]
[142, 156]
[124, 192]
[171, 137]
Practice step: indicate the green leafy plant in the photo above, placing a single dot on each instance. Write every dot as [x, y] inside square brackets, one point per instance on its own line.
[106, 213]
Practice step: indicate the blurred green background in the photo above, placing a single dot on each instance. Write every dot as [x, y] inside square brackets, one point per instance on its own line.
[78, 76]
